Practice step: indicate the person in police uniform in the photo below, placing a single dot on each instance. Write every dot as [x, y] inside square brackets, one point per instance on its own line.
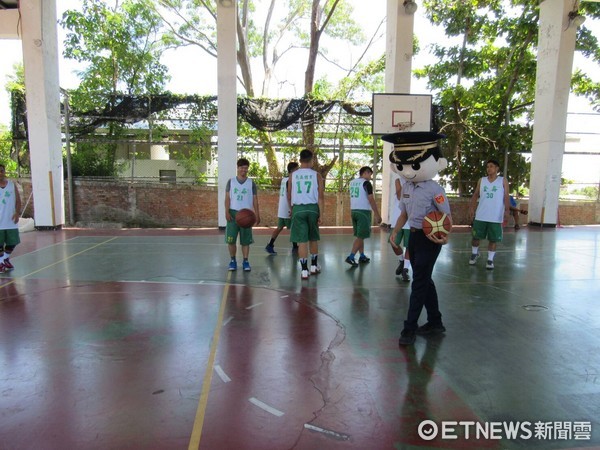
[417, 158]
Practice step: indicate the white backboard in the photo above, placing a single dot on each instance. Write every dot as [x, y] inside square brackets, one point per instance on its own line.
[401, 112]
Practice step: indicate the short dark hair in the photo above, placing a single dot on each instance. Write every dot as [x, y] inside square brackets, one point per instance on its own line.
[306, 155]
[494, 162]
[243, 162]
[364, 169]
[292, 166]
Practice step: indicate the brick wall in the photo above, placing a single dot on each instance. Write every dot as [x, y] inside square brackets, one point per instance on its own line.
[168, 205]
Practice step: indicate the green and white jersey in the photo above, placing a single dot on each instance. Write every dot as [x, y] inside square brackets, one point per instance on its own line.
[7, 206]
[491, 200]
[359, 193]
[241, 194]
[284, 210]
[305, 187]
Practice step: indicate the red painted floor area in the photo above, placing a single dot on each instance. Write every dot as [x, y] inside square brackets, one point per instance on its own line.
[142, 339]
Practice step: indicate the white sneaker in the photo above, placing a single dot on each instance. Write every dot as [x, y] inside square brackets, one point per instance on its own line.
[315, 269]
[489, 265]
[474, 258]
[305, 275]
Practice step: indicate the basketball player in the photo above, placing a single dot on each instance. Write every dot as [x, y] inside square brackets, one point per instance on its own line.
[10, 208]
[284, 211]
[491, 197]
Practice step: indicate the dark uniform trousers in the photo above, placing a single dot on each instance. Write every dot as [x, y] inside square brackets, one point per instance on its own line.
[423, 255]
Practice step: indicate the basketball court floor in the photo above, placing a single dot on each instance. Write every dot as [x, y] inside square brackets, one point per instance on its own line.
[114, 339]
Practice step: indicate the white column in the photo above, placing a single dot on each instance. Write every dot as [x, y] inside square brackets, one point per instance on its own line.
[556, 44]
[227, 99]
[398, 70]
[40, 59]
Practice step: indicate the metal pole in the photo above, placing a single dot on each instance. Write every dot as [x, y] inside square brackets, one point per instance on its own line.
[68, 146]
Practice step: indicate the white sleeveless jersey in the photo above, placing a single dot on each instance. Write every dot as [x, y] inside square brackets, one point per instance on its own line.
[7, 206]
[359, 198]
[241, 194]
[491, 201]
[284, 205]
[397, 206]
[305, 187]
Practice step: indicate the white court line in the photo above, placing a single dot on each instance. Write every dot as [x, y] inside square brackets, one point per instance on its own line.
[284, 296]
[222, 374]
[254, 306]
[340, 436]
[265, 407]
[229, 319]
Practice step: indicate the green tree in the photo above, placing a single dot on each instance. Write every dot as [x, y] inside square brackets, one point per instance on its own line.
[288, 26]
[120, 48]
[485, 82]
[11, 145]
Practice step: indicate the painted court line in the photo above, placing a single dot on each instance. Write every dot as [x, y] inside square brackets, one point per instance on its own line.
[333, 434]
[254, 306]
[222, 374]
[201, 411]
[265, 407]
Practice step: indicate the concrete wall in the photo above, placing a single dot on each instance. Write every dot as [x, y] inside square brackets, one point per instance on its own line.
[168, 205]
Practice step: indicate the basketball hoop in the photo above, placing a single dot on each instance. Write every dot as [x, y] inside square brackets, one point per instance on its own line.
[402, 126]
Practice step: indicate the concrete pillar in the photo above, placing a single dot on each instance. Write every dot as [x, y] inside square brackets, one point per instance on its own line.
[556, 45]
[159, 152]
[398, 70]
[40, 59]
[227, 99]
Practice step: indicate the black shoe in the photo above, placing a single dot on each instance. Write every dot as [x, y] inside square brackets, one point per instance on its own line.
[351, 261]
[407, 337]
[405, 276]
[400, 267]
[430, 329]
[364, 259]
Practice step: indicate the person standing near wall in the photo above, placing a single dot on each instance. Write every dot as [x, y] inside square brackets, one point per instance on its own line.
[240, 193]
[10, 207]
[362, 204]
[491, 198]
[284, 211]
[306, 195]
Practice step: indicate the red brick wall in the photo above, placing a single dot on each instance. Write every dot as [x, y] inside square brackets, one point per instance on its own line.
[168, 205]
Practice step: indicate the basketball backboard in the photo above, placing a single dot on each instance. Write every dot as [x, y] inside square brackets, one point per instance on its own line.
[401, 112]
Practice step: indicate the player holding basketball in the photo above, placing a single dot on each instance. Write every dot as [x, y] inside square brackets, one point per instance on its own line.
[284, 211]
[417, 158]
[240, 193]
[491, 197]
[362, 202]
[306, 195]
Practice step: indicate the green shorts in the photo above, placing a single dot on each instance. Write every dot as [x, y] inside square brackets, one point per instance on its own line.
[304, 223]
[281, 222]
[402, 237]
[491, 231]
[9, 237]
[361, 223]
[232, 230]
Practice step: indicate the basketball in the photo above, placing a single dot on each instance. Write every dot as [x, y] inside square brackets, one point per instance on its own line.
[436, 223]
[245, 218]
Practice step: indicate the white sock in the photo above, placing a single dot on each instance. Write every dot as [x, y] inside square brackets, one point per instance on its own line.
[475, 250]
[400, 258]
[407, 263]
[491, 256]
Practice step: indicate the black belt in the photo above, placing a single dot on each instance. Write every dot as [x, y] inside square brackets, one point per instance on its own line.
[414, 230]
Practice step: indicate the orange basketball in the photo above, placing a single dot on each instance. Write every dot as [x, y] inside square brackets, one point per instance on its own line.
[245, 218]
[437, 223]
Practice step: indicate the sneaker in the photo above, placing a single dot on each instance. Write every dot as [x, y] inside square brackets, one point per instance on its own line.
[405, 276]
[400, 267]
[517, 227]
[232, 266]
[489, 265]
[304, 275]
[8, 265]
[474, 258]
[246, 266]
[314, 269]
[2, 267]
[270, 250]
[364, 259]
[351, 261]
[407, 337]
[430, 329]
